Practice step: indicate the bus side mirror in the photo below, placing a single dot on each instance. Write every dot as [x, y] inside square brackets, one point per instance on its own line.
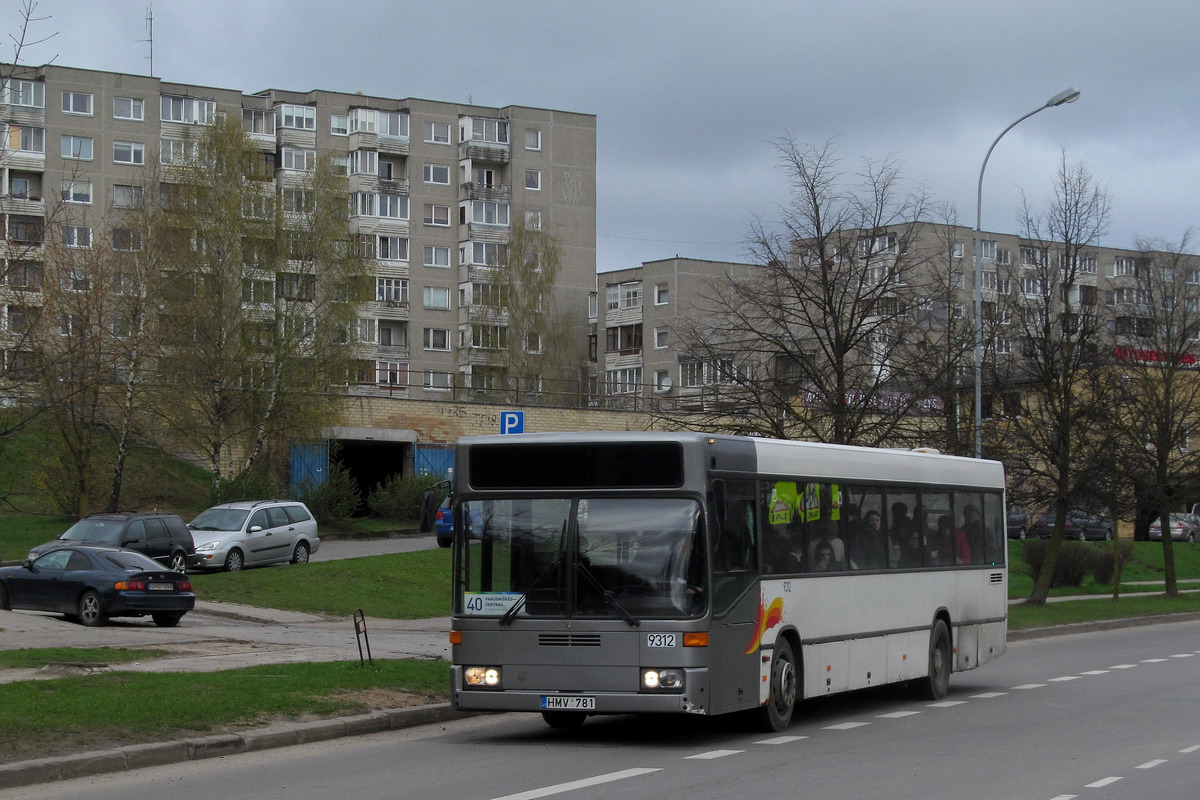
[429, 506]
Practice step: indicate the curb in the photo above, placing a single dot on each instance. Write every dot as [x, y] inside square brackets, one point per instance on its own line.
[154, 754]
[1100, 625]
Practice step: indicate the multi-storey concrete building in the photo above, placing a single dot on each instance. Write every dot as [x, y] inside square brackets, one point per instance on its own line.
[436, 187]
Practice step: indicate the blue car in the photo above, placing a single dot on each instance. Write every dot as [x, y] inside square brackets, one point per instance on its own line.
[443, 524]
[91, 584]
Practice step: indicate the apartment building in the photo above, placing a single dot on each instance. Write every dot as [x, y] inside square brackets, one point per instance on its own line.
[921, 274]
[436, 187]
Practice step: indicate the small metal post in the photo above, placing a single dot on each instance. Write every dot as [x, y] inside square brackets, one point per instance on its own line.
[360, 633]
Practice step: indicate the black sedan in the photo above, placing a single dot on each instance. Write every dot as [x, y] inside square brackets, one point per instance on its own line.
[1080, 525]
[91, 584]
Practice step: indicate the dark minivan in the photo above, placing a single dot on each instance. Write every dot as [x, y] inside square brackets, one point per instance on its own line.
[163, 537]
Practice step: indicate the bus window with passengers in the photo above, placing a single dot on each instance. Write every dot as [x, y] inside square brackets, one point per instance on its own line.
[610, 573]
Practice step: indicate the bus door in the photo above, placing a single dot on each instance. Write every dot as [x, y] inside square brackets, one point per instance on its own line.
[734, 661]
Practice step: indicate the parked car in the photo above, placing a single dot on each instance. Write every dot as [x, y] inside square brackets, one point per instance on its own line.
[253, 533]
[1018, 522]
[91, 584]
[1184, 528]
[163, 537]
[443, 523]
[1080, 525]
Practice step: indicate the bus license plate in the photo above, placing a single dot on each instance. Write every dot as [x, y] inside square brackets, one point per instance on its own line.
[568, 703]
[660, 640]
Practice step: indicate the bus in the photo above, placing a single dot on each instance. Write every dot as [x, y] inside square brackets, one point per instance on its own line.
[652, 572]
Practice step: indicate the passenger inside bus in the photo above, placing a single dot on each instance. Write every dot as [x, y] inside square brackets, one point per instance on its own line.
[823, 560]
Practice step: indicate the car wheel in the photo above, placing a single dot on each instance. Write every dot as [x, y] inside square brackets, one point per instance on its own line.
[1020, 534]
[1108, 534]
[1191, 540]
[564, 720]
[178, 562]
[167, 619]
[234, 561]
[935, 685]
[91, 609]
[1083, 534]
[4, 598]
[776, 715]
[300, 554]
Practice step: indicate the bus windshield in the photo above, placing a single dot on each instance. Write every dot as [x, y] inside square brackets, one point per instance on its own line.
[627, 558]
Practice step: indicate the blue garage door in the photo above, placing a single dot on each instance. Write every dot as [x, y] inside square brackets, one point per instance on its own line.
[309, 462]
[432, 459]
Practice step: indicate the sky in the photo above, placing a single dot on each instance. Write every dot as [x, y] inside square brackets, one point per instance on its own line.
[692, 96]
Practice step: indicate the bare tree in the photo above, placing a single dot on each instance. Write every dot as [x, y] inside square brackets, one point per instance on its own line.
[1157, 297]
[815, 342]
[1051, 422]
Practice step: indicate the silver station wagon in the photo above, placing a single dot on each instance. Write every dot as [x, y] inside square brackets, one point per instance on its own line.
[252, 533]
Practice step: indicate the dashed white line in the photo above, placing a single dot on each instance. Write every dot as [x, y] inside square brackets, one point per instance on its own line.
[1102, 783]
[897, 714]
[987, 695]
[1153, 660]
[1065, 678]
[559, 788]
[1191, 749]
[845, 726]
[1123, 666]
[711, 754]
[1151, 764]
[946, 704]
[1183, 655]
[781, 740]
[1096, 672]
[1029, 686]
[1065, 797]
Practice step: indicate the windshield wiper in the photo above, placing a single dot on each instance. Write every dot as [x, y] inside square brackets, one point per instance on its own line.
[608, 596]
[507, 617]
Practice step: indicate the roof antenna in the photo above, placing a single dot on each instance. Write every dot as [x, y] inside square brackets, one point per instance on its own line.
[150, 29]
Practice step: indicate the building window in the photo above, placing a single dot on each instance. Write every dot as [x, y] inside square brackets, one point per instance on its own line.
[533, 220]
[301, 117]
[438, 381]
[258, 120]
[74, 191]
[483, 254]
[126, 239]
[188, 109]
[393, 248]
[661, 338]
[77, 103]
[31, 94]
[1030, 286]
[533, 139]
[623, 381]
[437, 215]
[176, 151]
[623, 295]
[1124, 267]
[299, 160]
[662, 380]
[391, 290]
[958, 250]
[298, 201]
[1033, 257]
[24, 275]
[79, 236]
[484, 212]
[489, 337]
[489, 130]
[364, 162]
[661, 295]
[393, 124]
[27, 138]
[436, 297]
[77, 147]
[987, 250]
[437, 339]
[436, 256]
[391, 373]
[624, 339]
[295, 286]
[339, 124]
[393, 206]
[533, 180]
[437, 174]
[129, 153]
[437, 132]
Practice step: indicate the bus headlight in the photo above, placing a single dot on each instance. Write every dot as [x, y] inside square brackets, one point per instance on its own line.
[662, 680]
[487, 677]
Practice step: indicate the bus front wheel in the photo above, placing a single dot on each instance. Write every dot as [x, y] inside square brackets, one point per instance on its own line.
[935, 685]
[776, 715]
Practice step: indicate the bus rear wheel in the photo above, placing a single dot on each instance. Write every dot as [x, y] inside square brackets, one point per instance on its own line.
[935, 685]
[776, 715]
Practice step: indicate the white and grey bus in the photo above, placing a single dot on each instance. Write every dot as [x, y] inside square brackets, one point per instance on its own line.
[613, 573]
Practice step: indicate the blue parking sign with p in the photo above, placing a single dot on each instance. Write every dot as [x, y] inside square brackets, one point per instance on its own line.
[512, 422]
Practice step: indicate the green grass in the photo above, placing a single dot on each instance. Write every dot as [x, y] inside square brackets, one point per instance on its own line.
[39, 718]
[1022, 616]
[397, 586]
[1147, 565]
[36, 658]
[19, 532]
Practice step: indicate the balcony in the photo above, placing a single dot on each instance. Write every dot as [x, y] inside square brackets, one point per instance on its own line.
[16, 204]
[500, 192]
[389, 309]
[390, 186]
[390, 352]
[393, 145]
[485, 152]
[479, 232]
[23, 115]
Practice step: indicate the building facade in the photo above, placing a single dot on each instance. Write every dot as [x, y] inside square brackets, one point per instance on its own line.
[436, 189]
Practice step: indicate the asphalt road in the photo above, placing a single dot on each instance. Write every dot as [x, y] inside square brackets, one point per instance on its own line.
[1101, 716]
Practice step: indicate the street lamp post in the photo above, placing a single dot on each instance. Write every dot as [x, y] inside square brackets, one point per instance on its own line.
[1067, 96]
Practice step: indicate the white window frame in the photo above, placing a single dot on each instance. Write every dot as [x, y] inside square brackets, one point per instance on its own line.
[662, 338]
[30, 139]
[533, 180]
[431, 216]
[137, 153]
[437, 132]
[431, 294]
[70, 101]
[76, 191]
[173, 108]
[533, 139]
[487, 212]
[74, 154]
[296, 117]
[393, 206]
[176, 151]
[291, 156]
[135, 195]
[136, 109]
[662, 294]
[437, 174]
[364, 162]
[431, 338]
[393, 124]
[438, 381]
[432, 253]
[391, 290]
[77, 237]
[533, 220]
[27, 94]
[396, 247]
[336, 129]
[391, 373]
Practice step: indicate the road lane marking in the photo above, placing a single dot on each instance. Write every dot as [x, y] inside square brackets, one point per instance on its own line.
[781, 740]
[897, 714]
[946, 704]
[845, 726]
[1065, 678]
[1029, 686]
[1191, 749]
[585, 783]
[711, 754]
[1123, 666]
[987, 695]
[1100, 784]
[1065, 797]
[1096, 672]
[1183, 655]
[1151, 764]
[1153, 660]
